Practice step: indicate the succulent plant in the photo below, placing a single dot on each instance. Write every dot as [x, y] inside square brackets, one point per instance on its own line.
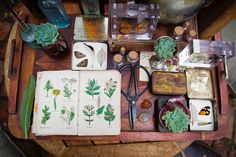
[176, 120]
[46, 34]
[165, 47]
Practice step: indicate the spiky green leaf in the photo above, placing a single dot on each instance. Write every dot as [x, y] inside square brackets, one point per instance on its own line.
[27, 105]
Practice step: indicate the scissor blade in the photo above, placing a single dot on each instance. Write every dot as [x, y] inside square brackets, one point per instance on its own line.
[132, 115]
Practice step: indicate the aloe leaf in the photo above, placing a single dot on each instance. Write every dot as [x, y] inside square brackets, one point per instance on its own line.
[27, 105]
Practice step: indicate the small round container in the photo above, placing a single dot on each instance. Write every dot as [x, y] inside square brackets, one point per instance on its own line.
[190, 35]
[186, 25]
[132, 57]
[122, 51]
[178, 33]
[117, 61]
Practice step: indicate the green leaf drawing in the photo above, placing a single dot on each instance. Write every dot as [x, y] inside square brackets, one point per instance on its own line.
[67, 91]
[100, 110]
[68, 85]
[48, 86]
[110, 87]
[92, 88]
[46, 115]
[55, 92]
[109, 114]
[67, 115]
[27, 105]
[88, 112]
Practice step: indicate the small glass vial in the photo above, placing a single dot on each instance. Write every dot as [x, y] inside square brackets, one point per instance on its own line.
[122, 51]
[190, 35]
[178, 33]
[117, 61]
[186, 25]
[132, 57]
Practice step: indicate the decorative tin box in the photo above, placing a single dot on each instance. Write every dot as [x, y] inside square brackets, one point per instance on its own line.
[199, 84]
[89, 56]
[202, 116]
[168, 83]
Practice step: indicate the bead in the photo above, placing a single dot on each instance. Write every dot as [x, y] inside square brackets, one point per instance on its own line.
[144, 117]
[146, 104]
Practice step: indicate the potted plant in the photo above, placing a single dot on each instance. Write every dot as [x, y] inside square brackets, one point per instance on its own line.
[175, 117]
[165, 48]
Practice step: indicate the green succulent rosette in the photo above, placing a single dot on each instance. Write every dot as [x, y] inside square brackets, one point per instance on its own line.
[46, 34]
[165, 47]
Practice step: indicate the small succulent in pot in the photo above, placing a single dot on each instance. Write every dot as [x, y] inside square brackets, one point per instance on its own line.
[51, 40]
[165, 47]
[46, 34]
[175, 117]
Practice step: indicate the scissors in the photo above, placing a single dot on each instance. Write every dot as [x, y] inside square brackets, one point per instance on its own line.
[132, 99]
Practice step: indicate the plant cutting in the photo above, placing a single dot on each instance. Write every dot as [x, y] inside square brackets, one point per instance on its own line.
[175, 117]
[165, 47]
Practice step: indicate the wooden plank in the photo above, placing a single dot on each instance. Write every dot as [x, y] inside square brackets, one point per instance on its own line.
[15, 72]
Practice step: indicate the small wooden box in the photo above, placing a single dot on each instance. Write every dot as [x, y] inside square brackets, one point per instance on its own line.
[170, 83]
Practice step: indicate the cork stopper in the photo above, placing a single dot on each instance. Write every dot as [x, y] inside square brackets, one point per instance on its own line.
[117, 58]
[186, 25]
[179, 30]
[133, 55]
[122, 49]
[192, 33]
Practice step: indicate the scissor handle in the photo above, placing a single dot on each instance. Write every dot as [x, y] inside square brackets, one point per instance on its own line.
[135, 79]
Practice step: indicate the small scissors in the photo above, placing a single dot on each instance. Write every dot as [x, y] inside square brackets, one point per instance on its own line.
[132, 99]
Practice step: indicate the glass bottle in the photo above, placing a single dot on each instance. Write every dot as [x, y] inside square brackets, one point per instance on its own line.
[117, 61]
[55, 12]
[27, 35]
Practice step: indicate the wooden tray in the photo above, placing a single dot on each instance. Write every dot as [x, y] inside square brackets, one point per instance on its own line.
[33, 61]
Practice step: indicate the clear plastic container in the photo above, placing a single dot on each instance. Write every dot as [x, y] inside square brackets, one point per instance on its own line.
[131, 21]
[55, 12]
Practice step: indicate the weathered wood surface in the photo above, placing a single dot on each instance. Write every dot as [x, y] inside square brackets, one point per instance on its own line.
[33, 61]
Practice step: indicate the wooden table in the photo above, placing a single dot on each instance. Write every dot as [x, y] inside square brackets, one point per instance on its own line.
[27, 61]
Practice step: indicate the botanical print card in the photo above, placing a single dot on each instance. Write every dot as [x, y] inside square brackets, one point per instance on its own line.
[89, 56]
[202, 116]
[99, 103]
[55, 110]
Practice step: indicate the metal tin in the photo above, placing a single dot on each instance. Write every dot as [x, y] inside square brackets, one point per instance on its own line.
[170, 83]
[199, 84]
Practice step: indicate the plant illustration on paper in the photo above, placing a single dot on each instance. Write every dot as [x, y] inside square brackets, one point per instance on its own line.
[48, 86]
[88, 113]
[46, 115]
[55, 92]
[100, 108]
[92, 88]
[110, 87]
[99, 111]
[68, 84]
[109, 114]
[67, 115]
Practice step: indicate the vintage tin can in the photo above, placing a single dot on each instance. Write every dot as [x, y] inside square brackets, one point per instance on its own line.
[169, 83]
[199, 84]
